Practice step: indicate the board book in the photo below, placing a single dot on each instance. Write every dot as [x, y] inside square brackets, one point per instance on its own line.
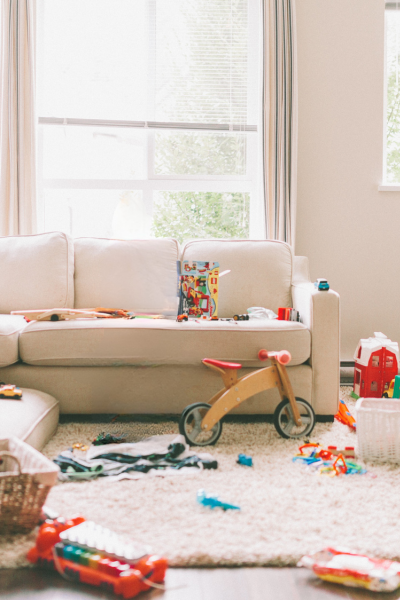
[198, 289]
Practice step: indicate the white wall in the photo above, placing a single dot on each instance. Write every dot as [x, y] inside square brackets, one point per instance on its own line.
[349, 230]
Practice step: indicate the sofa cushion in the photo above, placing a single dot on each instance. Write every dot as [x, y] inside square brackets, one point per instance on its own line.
[85, 342]
[10, 327]
[261, 272]
[36, 271]
[140, 275]
[32, 419]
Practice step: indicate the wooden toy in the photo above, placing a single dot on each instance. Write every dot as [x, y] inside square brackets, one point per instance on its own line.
[60, 314]
[10, 392]
[201, 424]
[85, 552]
[376, 364]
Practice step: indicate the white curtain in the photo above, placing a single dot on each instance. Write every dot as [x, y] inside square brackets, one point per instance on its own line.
[17, 118]
[280, 119]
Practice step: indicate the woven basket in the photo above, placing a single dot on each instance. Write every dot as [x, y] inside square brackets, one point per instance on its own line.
[378, 429]
[26, 477]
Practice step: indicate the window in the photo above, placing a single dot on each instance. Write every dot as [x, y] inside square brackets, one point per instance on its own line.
[375, 360]
[148, 113]
[374, 386]
[391, 166]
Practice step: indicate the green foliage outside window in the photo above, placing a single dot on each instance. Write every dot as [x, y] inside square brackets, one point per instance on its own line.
[188, 215]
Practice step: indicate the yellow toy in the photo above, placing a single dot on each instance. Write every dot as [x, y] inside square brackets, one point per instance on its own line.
[201, 424]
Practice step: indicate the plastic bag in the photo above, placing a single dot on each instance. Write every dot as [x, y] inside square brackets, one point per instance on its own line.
[258, 312]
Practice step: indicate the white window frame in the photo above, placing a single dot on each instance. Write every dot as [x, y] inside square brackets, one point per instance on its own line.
[246, 183]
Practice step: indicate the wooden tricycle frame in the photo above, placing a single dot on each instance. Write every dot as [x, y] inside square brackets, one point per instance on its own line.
[237, 391]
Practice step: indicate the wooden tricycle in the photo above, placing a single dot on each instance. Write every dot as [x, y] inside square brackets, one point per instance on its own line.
[201, 423]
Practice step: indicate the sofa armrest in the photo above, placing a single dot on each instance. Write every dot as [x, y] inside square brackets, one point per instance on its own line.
[10, 328]
[320, 313]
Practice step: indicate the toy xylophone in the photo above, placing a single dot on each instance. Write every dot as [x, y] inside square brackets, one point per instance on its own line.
[85, 552]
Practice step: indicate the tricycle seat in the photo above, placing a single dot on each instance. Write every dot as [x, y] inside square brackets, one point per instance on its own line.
[221, 364]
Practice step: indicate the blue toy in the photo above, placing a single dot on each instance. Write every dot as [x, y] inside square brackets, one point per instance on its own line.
[212, 501]
[321, 284]
[247, 461]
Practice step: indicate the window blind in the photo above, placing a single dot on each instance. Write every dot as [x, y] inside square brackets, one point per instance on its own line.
[146, 63]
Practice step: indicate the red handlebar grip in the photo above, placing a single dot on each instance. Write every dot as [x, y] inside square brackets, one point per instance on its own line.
[284, 357]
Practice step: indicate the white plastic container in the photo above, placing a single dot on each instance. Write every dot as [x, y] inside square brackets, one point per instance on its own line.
[378, 429]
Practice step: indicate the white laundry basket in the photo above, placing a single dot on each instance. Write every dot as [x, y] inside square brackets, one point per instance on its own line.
[378, 429]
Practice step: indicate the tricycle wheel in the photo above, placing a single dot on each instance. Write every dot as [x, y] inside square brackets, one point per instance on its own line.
[190, 425]
[284, 420]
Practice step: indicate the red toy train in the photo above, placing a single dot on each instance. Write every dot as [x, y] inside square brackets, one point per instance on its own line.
[88, 553]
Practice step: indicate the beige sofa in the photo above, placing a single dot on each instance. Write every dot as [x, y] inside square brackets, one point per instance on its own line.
[154, 366]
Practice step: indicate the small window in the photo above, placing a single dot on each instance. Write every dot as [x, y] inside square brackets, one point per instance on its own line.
[359, 352]
[357, 377]
[389, 362]
[374, 386]
[375, 360]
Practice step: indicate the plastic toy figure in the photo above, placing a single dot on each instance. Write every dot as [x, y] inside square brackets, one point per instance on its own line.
[201, 424]
[10, 392]
[181, 318]
[247, 461]
[241, 317]
[212, 501]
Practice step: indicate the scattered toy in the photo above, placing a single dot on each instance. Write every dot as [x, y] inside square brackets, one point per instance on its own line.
[213, 501]
[322, 285]
[241, 317]
[10, 392]
[247, 461]
[76, 549]
[328, 461]
[376, 364]
[353, 569]
[344, 416]
[394, 388]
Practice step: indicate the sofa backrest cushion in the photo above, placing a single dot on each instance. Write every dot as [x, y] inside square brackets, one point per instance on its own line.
[139, 275]
[261, 272]
[36, 271]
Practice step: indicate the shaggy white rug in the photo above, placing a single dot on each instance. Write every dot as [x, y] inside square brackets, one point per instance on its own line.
[286, 511]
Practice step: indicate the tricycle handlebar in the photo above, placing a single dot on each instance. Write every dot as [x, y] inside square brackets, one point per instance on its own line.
[283, 357]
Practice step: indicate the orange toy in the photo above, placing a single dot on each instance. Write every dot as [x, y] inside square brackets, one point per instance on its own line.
[201, 424]
[343, 415]
[123, 569]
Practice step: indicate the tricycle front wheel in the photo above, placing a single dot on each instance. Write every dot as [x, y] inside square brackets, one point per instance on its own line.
[285, 423]
[190, 425]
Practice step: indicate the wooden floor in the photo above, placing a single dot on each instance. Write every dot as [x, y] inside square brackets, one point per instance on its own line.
[190, 584]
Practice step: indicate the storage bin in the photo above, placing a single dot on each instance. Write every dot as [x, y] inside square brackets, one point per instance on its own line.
[26, 477]
[378, 429]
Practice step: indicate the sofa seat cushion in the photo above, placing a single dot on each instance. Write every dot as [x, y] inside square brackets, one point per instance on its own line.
[32, 419]
[10, 327]
[112, 342]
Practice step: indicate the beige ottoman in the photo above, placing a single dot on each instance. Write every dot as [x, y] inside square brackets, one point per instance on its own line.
[33, 419]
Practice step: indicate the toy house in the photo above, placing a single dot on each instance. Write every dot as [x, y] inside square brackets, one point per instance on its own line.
[376, 364]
